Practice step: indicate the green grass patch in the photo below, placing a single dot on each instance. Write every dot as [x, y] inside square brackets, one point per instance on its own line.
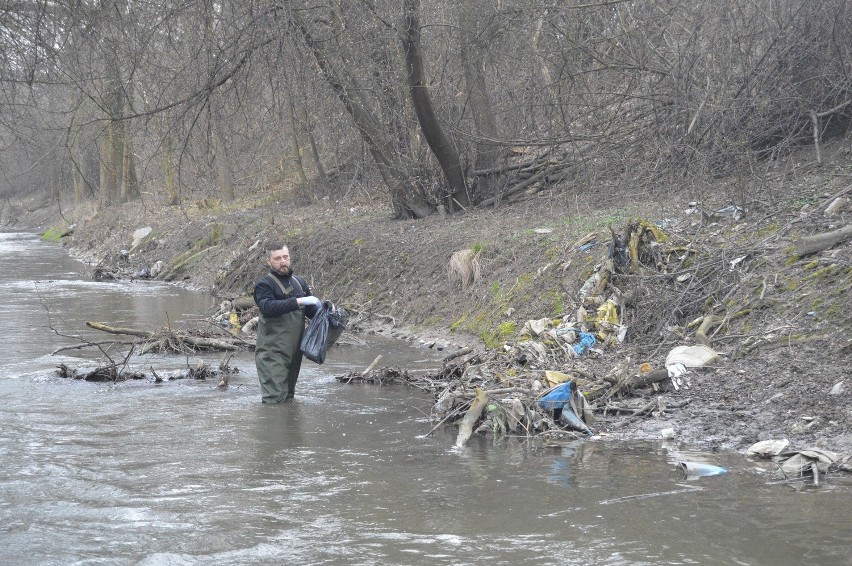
[54, 234]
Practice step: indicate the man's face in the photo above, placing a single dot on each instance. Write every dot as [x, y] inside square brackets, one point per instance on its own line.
[279, 261]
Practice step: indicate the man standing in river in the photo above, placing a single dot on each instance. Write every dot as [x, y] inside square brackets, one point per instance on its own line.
[283, 299]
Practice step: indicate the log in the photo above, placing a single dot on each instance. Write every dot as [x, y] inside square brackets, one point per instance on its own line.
[818, 242]
[209, 343]
[458, 354]
[118, 330]
[470, 417]
[653, 376]
[199, 342]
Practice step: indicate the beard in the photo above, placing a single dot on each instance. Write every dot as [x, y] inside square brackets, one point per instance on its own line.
[284, 271]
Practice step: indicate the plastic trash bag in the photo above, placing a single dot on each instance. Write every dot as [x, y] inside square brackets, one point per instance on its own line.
[325, 328]
[558, 397]
[587, 340]
[563, 400]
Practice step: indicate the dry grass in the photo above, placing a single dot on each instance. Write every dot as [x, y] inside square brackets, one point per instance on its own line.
[465, 267]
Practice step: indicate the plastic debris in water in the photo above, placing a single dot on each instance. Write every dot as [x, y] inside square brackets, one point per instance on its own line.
[694, 470]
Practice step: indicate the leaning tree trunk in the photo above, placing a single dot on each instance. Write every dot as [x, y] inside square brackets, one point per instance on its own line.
[405, 196]
[439, 143]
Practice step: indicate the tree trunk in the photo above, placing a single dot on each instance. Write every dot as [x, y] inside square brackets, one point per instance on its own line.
[172, 193]
[108, 173]
[294, 140]
[442, 147]
[223, 168]
[76, 172]
[405, 197]
[129, 181]
[474, 44]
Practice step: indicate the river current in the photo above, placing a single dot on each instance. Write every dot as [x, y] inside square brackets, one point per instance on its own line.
[182, 472]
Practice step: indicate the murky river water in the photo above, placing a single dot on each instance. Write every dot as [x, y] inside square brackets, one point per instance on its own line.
[184, 473]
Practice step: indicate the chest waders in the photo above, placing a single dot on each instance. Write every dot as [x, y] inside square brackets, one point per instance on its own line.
[277, 354]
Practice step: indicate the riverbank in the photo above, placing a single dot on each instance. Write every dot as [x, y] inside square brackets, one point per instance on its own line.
[784, 325]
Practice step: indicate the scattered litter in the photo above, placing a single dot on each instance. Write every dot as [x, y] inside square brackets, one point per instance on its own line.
[535, 327]
[768, 448]
[811, 462]
[586, 341]
[732, 212]
[694, 470]
[735, 262]
[556, 377]
[691, 356]
[565, 402]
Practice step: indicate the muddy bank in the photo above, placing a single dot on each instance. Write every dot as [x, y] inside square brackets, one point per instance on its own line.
[785, 324]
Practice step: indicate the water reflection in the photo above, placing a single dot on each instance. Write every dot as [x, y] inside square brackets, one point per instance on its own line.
[560, 469]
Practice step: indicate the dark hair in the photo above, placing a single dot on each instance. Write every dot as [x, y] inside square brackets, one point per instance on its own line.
[274, 246]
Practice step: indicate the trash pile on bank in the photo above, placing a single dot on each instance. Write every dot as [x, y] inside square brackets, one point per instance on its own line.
[546, 384]
[640, 327]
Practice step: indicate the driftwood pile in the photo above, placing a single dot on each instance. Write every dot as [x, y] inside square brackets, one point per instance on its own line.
[204, 337]
[184, 340]
[116, 372]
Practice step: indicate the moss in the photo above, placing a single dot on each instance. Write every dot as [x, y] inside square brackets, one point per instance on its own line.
[811, 265]
[494, 338]
[825, 271]
[833, 311]
[54, 234]
[767, 230]
[557, 303]
[455, 326]
[216, 231]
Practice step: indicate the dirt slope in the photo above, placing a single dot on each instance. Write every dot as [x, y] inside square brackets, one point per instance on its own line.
[785, 340]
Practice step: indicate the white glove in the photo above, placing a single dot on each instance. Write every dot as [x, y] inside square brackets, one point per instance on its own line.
[310, 301]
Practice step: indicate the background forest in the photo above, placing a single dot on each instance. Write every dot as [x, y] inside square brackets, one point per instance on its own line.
[419, 105]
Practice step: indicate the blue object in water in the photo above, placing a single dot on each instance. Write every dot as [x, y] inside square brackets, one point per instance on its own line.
[694, 470]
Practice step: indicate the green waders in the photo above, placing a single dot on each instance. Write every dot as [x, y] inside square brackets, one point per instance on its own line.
[277, 355]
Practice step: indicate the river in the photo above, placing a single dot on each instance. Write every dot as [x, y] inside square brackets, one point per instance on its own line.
[182, 472]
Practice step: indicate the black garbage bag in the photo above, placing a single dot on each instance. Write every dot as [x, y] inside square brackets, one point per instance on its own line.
[324, 329]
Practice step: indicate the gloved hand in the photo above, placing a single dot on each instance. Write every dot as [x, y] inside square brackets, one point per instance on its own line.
[310, 301]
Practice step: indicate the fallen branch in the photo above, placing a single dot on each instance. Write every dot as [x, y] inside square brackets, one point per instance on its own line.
[470, 418]
[819, 242]
[118, 330]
